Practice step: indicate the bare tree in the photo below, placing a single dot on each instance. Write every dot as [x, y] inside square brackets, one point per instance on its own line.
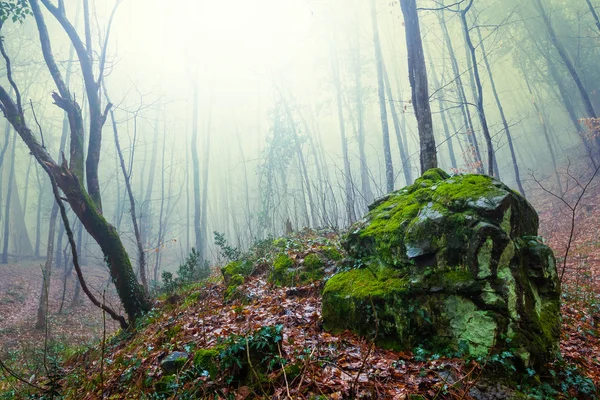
[417, 74]
[69, 178]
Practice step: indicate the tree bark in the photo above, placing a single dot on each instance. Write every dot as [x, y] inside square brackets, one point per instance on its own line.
[417, 73]
[69, 181]
[440, 100]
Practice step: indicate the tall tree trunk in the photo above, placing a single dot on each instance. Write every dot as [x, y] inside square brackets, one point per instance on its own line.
[204, 215]
[567, 61]
[399, 133]
[301, 161]
[349, 190]
[387, 152]
[161, 227]
[38, 227]
[479, 100]
[365, 184]
[11, 177]
[544, 124]
[440, 100]
[502, 116]
[136, 229]
[594, 14]
[196, 168]
[417, 73]
[460, 88]
[42, 311]
[144, 218]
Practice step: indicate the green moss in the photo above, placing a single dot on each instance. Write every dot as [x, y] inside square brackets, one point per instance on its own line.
[435, 175]
[284, 273]
[457, 277]
[239, 267]
[466, 187]
[349, 298]
[166, 384]
[331, 253]
[431, 212]
[282, 263]
[207, 360]
[312, 262]
[231, 290]
[484, 259]
[476, 328]
[173, 331]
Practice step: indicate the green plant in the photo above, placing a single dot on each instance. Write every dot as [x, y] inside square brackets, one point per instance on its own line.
[259, 351]
[228, 252]
[194, 269]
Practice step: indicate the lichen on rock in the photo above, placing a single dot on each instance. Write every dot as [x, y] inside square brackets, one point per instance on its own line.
[449, 263]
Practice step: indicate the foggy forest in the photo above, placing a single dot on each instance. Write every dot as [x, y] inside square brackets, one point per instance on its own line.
[299, 199]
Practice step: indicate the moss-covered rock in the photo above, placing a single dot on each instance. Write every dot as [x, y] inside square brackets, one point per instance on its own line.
[234, 275]
[286, 272]
[451, 264]
[207, 359]
[173, 362]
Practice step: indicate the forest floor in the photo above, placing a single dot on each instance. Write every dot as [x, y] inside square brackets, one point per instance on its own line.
[332, 366]
[79, 323]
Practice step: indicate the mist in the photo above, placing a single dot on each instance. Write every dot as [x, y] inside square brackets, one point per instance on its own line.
[240, 121]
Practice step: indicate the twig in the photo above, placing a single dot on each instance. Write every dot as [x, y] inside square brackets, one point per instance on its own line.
[37, 123]
[69, 232]
[287, 387]
[573, 208]
[103, 344]
[252, 368]
[9, 73]
[17, 377]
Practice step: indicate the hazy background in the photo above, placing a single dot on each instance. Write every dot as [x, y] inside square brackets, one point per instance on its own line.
[249, 60]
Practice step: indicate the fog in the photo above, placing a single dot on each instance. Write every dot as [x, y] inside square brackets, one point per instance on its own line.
[263, 86]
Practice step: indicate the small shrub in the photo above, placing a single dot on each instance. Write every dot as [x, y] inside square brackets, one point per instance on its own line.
[194, 269]
[228, 252]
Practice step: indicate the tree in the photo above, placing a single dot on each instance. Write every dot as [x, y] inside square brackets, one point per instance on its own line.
[479, 94]
[417, 74]
[389, 167]
[68, 176]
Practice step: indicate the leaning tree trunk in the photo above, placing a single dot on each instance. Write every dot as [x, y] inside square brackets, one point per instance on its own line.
[69, 179]
[417, 73]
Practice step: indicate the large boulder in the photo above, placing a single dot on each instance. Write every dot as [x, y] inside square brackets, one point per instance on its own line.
[451, 264]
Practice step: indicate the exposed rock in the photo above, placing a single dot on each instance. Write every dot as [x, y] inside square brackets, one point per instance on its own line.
[174, 362]
[454, 265]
